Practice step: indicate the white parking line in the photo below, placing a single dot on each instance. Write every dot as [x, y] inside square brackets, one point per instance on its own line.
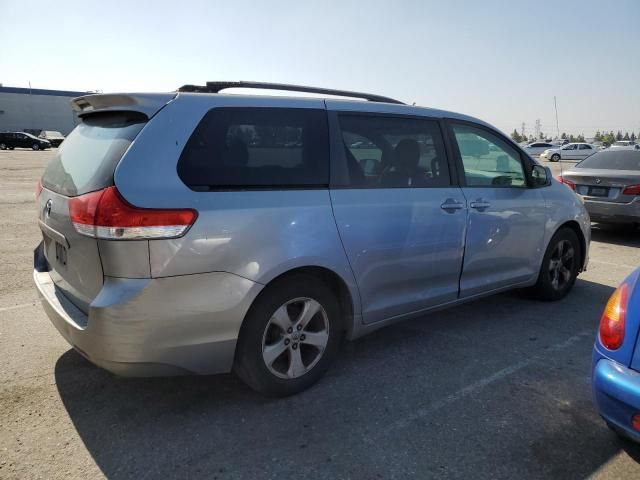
[631, 267]
[479, 385]
[15, 307]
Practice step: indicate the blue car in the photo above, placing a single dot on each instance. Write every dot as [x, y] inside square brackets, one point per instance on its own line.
[616, 360]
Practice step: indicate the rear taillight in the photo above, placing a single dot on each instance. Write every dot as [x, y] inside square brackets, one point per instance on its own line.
[568, 183]
[38, 189]
[613, 318]
[105, 214]
[632, 190]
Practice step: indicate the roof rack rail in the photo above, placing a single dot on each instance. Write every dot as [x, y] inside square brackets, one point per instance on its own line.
[216, 87]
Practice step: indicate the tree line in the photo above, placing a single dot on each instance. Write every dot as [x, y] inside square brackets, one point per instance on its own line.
[610, 138]
[604, 137]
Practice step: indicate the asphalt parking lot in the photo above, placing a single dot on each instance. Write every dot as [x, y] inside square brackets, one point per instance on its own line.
[498, 388]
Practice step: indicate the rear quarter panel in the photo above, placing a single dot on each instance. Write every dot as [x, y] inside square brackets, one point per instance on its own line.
[254, 234]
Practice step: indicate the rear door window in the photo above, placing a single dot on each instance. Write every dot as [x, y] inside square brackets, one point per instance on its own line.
[257, 148]
[86, 160]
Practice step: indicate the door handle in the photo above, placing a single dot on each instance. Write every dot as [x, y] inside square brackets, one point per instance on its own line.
[450, 205]
[480, 204]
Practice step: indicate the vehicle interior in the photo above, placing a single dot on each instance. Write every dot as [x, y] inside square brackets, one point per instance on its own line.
[379, 157]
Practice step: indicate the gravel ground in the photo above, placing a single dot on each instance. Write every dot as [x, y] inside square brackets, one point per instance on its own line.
[498, 388]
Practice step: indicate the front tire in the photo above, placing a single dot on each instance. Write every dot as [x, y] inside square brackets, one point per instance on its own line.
[289, 337]
[3, 146]
[555, 157]
[560, 266]
[35, 146]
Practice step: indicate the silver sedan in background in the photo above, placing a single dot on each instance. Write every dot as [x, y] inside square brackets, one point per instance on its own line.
[609, 184]
[570, 151]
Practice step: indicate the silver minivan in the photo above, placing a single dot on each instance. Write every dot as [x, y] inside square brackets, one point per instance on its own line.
[201, 232]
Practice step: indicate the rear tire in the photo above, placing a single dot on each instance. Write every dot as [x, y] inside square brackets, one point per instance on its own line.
[35, 146]
[3, 146]
[555, 157]
[560, 266]
[275, 354]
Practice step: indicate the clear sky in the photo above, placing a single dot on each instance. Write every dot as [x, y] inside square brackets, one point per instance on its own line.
[502, 61]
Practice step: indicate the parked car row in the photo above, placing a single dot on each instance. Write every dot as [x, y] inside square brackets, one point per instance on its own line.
[574, 150]
[46, 139]
[11, 140]
[626, 145]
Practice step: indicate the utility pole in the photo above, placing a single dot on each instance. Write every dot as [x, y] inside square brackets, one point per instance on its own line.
[555, 104]
[538, 128]
[523, 128]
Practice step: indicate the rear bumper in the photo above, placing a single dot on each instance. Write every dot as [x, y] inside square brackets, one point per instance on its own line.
[154, 327]
[611, 212]
[616, 391]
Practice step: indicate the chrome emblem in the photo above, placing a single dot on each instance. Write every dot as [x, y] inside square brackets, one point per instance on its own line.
[47, 208]
[598, 181]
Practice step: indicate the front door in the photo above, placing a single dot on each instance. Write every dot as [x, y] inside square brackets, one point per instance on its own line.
[569, 152]
[506, 222]
[584, 151]
[400, 217]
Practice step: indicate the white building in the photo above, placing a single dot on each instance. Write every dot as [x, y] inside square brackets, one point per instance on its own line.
[32, 110]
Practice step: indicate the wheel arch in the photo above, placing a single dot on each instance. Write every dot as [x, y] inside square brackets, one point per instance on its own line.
[345, 296]
[575, 227]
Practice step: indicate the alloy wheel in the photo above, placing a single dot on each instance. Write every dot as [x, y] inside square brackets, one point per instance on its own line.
[295, 338]
[561, 264]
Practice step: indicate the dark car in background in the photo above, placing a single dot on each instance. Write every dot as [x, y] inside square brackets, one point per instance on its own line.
[11, 140]
[609, 184]
[52, 136]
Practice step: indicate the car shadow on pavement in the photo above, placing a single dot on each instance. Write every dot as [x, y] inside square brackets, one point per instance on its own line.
[623, 235]
[452, 396]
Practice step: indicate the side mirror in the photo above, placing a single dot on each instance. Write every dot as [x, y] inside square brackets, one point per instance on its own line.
[541, 176]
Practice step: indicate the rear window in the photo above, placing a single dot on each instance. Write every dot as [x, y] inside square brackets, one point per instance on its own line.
[86, 160]
[257, 148]
[613, 160]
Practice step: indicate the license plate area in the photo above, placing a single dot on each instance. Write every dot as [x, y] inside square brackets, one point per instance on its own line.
[598, 192]
[61, 253]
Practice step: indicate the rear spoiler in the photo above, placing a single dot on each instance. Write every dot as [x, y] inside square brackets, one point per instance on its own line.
[146, 103]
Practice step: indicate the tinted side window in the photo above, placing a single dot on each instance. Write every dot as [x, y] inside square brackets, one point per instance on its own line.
[585, 147]
[488, 160]
[257, 147]
[391, 152]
